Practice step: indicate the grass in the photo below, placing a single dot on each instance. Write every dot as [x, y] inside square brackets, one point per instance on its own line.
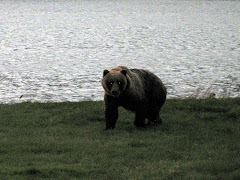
[199, 139]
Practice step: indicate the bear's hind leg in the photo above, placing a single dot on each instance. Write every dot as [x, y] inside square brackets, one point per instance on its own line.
[153, 116]
[140, 119]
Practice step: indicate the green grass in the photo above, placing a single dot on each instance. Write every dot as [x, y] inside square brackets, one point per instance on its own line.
[199, 139]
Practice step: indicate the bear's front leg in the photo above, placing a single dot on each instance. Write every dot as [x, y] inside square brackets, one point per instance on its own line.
[111, 116]
[111, 113]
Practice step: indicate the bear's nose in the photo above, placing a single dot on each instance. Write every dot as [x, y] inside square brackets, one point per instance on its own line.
[115, 93]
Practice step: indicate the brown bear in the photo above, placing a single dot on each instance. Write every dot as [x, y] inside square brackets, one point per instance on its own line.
[136, 90]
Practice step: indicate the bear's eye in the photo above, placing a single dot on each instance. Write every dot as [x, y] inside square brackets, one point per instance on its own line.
[110, 83]
[119, 83]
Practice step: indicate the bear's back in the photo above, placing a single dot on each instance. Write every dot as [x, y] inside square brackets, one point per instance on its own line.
[152, 83]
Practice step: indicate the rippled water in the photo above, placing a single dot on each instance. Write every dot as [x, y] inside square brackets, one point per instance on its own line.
[56, 51]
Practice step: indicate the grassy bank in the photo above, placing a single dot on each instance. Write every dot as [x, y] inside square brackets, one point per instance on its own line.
[199, 139]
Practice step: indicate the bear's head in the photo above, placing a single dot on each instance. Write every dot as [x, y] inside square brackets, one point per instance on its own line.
[114, 81]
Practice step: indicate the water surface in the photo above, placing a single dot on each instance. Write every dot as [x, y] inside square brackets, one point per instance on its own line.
[56, 51]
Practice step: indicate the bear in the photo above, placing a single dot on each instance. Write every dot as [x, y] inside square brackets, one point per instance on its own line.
[137, 90]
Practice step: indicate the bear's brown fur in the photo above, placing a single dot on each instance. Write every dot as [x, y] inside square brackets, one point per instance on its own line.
[137, 90]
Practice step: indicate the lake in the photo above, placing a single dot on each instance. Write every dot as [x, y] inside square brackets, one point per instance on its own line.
[57, 51]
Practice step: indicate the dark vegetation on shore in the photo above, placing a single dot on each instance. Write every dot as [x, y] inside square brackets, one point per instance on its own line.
[199, 139]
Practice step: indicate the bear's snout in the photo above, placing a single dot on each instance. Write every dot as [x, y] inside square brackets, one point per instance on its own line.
[115, 90]
[115, 93]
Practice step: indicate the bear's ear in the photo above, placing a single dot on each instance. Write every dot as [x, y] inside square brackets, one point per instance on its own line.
[124, 72]
[105, 72]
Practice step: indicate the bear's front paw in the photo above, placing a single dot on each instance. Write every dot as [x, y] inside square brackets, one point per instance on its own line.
[110, 128]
